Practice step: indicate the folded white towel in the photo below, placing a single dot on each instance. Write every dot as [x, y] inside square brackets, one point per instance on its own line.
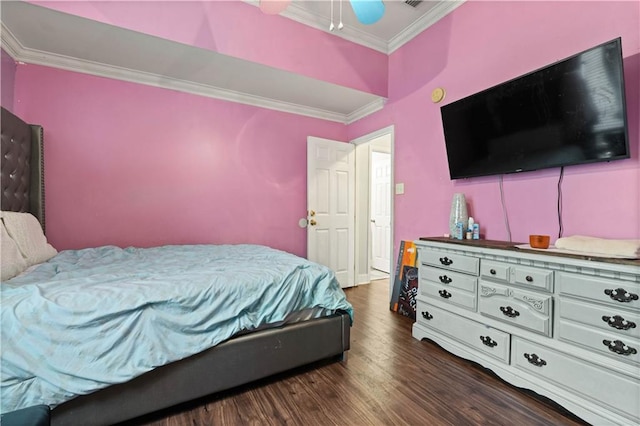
[580, 243]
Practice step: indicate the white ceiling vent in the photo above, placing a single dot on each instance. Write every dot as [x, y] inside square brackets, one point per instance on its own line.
[413, 3]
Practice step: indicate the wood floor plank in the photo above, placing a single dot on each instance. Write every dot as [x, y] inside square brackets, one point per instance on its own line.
[387, 378]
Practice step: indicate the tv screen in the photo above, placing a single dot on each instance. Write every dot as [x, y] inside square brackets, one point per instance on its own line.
[570, 112]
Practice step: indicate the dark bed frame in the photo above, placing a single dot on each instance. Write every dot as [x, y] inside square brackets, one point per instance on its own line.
[239, 360]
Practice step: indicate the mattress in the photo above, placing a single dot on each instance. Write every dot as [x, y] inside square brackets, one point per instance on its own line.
[91, 318]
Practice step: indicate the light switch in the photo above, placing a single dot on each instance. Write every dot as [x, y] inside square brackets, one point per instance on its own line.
[399, 188]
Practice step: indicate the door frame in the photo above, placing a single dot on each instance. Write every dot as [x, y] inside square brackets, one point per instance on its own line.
[362, 208]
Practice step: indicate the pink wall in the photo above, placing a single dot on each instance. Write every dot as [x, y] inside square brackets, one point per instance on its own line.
[129, 164]
[238, 29]
[477, 46]
[8, 78]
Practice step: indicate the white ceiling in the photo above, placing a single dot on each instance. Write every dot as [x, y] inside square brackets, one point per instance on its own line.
[87, 46]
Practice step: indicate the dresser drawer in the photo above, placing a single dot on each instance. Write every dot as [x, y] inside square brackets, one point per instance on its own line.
[441, 294]
[601, 290]
[534, 278]
[495, 271]
[609, 318]
[495, 343]
[606, 388]
[448, 278]
[622, 348]
[453, 262]
[522, 308]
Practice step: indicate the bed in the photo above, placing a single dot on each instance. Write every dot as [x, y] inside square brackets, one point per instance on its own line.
[251, 345]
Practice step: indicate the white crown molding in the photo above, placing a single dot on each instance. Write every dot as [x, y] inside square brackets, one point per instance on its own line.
[299, 14]
[9, 42]
[31, 56]
[369, 109]
[438, 12]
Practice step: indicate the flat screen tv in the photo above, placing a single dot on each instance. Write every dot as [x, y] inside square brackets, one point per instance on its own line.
[570, 112]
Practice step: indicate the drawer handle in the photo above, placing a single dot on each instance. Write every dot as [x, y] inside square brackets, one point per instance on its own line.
[486, 340]
[621, 295]
[529, 278]
[446, 261]
[445, 279]
[535, 360]
[426, 315]
[619, 347]
[618, 322]
[492, 271]
[508, 311]
[444, 294]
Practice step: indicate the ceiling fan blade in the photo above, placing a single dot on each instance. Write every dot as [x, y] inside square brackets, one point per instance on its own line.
[368, 11]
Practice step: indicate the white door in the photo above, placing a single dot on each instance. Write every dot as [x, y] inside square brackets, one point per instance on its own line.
[330, 206]
[380, 211]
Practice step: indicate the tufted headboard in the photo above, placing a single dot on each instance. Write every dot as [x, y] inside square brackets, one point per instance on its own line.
[22, 176]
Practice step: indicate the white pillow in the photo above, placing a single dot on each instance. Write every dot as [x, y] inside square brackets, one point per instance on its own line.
[12, 262]
[25, 230]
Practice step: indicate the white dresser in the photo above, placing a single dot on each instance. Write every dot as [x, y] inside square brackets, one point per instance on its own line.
[566, 327]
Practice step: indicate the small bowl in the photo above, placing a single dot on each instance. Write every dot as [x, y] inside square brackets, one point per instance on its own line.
[539, 241]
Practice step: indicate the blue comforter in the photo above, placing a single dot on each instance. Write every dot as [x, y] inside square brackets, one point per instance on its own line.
[90, 318]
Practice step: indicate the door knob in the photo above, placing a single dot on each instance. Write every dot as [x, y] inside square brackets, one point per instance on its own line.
[312, 213]
[373, 221]
[312, 222]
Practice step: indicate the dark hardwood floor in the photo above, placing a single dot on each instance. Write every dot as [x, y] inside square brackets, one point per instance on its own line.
[387, 378]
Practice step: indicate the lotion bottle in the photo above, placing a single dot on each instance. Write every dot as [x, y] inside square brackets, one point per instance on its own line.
[476, 231]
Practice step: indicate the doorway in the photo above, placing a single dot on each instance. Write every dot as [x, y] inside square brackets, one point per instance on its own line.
[374, 205]
[380, 213]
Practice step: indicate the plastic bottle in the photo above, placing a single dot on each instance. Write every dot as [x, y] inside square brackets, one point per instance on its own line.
[476, 231]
